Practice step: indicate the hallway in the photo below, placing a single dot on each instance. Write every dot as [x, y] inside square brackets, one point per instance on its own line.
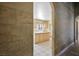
[39, 28]
[74, 49]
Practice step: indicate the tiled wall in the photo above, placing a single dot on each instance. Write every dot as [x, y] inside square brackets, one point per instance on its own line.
[16, 28]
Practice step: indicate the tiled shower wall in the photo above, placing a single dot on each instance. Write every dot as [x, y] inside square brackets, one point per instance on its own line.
[16, 28]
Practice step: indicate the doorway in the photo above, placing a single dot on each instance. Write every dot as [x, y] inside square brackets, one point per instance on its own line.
[77, 31]
[43, 29]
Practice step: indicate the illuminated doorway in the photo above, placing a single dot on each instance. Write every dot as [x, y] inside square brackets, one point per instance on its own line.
[43, 29]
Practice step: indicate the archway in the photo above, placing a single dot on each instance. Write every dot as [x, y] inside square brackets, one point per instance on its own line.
[43, 29]
[77, 31]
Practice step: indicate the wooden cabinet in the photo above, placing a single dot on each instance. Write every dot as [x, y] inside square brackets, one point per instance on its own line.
[41, 30]
[41, 37]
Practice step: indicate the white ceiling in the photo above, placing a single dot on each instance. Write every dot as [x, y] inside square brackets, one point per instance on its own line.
[42, 10]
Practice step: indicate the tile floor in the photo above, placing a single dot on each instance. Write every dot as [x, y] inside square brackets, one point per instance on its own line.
[43, 49]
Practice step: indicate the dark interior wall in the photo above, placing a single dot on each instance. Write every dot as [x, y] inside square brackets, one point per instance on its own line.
[64, 25]
[16, 28]
[76, 9]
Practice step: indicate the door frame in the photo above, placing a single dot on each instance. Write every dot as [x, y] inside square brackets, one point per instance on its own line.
[53, 27]
[76, 30]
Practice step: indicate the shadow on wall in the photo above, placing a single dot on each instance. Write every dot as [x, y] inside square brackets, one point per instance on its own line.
[64, 25]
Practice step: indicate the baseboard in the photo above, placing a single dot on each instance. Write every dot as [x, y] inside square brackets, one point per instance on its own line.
[65, 49]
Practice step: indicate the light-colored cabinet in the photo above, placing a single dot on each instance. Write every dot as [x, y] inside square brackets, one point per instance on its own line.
[41, 30]
[41, 37]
